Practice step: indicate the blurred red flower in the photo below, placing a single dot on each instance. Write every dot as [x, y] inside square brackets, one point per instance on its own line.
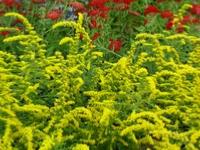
[195, 9]
[4, 33]
[98, 8]
[54, 14]
[166, 14]
[93, 12]
[95, 36]
[186, 19]
[98, 3]
[102, 12]
[195, 20]
[9, 3]
[93, 24]
[115, 45]
[151, 9]
[12, 3]
[79, 7]
[169, 24]
[123, 1]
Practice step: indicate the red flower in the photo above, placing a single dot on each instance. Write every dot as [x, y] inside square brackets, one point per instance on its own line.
[93, 24]
[195, 20]
[167, 14]
[94, 12]
[123, 1]
[195, 9]
[115, 45]
[95, 36]
[4, 33]
[102, 12]
[104, 9]
[186, 19]
[98, 8]
[79, 7]
[11, 3]
[169, 25]
[151, 9]
[39, 1]
[54, 14]
[127, 1]
[103, 15]
[98, 3]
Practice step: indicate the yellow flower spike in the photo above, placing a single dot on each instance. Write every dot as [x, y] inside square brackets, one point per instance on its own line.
[92, 46]
[81, 147]
[65, 24]
[79, 30]
[16, 38]
[30, 39]
[139, 42]
[29, 136]
[107, 113]
[26, 23]
[66, 40]
[9, 29]
[122, 62]
[33, 33]
[5, 140]
[152, 85]
[47, 143]
[195, 137]
[80, 19]
[186, 6]
[79, 82]
[100, 54]
[142, 72]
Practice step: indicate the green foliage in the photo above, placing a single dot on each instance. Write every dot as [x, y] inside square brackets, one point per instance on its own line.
[148, 99]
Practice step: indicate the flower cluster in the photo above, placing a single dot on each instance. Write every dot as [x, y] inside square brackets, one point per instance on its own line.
[106, 17]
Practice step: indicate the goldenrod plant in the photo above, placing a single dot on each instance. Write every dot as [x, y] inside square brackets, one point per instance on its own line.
[79, 31]
[148, 99]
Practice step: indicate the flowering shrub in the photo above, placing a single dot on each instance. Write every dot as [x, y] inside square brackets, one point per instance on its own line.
[80, 100]
[110, 21]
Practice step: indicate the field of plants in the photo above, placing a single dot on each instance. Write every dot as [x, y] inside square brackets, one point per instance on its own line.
[99, 74]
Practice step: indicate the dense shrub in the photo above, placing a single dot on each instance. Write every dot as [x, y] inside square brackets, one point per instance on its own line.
[81, 100]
